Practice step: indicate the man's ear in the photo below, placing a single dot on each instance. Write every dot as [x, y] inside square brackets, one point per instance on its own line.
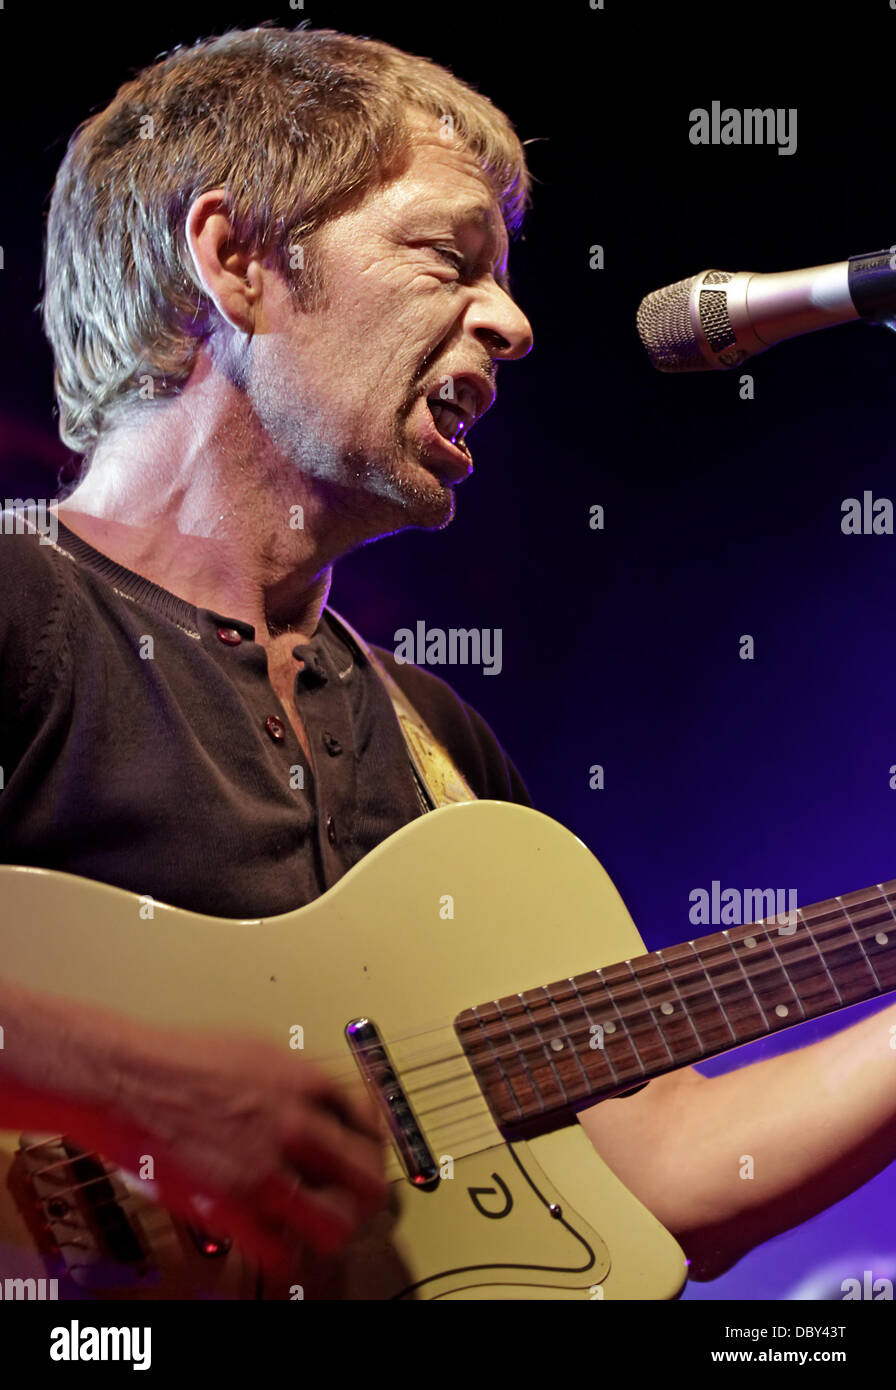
[229, 273]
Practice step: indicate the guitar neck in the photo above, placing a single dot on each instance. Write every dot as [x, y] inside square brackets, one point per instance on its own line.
[542, 1055]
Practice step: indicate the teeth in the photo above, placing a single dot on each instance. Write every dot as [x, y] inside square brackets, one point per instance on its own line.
[450, 424]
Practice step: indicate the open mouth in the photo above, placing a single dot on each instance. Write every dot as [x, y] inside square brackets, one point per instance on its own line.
[443, 426]
[451, 420]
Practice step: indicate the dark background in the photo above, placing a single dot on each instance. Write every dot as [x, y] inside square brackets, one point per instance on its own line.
[722, 515]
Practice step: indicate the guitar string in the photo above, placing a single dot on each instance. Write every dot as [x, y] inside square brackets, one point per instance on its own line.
[643, 1013]
[453, 1125]
[641, 1021]
[619, 991]
[513, 1051]
[75, 1219]
[619, 995]
[761, 958]
[614, 1084]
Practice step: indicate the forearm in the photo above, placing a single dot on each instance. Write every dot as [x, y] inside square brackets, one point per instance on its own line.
[759, 1150]
[57, 1061]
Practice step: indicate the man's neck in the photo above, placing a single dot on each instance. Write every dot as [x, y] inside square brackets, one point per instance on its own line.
[193, 497]
[256, 578]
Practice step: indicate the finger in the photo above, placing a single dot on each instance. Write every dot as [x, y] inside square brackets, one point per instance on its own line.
[353, 1107]
[323, 1149]
[326, 1218]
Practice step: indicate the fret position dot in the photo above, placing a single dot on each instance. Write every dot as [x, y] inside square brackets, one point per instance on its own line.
[667, 1008]
[610, 1027]
[881, 938]
[557, 1044]
[749, 941]
[782, 1010]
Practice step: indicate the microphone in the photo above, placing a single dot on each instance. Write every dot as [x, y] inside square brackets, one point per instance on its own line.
[719, 318]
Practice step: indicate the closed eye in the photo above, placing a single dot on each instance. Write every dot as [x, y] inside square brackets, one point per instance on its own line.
[459, 262]
[449, 254]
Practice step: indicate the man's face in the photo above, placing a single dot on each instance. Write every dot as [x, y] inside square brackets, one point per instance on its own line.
[414, 309]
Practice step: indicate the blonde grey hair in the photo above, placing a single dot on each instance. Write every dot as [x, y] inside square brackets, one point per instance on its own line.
[295, 125]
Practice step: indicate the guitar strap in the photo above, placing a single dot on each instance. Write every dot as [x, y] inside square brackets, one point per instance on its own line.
[438, 780]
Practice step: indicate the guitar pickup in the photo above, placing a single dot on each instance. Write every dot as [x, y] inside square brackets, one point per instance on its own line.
[375, 1065]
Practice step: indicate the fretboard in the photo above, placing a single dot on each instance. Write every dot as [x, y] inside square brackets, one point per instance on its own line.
[544, 1054]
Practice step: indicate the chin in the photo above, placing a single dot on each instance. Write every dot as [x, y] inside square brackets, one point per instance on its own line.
[423, 514]
[420, 501]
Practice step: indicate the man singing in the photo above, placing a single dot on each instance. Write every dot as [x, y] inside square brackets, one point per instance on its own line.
[277, 296]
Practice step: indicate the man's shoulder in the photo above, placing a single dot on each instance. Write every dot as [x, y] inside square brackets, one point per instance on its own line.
[461, 729]
[35, 594]
[30, 564]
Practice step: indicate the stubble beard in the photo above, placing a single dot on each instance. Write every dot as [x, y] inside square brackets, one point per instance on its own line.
[378, 486]
[399, 476]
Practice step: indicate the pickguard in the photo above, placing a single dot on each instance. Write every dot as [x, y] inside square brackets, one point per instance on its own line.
[508, 1224]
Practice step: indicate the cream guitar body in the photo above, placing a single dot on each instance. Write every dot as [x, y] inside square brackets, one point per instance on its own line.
[469, 903]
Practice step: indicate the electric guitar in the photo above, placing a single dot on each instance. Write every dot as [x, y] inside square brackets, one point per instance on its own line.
[480, 973]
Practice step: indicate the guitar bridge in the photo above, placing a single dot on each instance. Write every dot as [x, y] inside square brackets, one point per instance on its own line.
[76, 1209]
[375, 1065]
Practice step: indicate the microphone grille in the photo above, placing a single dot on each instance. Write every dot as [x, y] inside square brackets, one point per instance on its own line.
[664, 327]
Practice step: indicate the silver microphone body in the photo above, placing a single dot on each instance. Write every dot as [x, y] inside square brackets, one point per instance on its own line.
[719, 318]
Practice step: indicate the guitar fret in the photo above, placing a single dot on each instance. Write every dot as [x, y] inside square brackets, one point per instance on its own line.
[762, 1014]
[865, 956]
[548, 1046]
[877, 945]
[788, 981]
[651, 1016]
[503, 1078]
[886, 898]
[682, 1028]
[820, 955]
[720, 962]
[626, 1034]
[843, 953]
[614, 1037]
[679, 996]
[660, 1014]
[545, 1049]
[591, 1024]
[872, 922]
[520, 1056]
[768, 979]
[554, 1048]
[571, 1010]
[720, 1006]
[881, 945]
[572, 1050]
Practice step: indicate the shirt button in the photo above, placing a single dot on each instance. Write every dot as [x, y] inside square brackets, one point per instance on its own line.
[313, 672]
[331, 830]
[332, 745]
[275, 728]
[230, 636]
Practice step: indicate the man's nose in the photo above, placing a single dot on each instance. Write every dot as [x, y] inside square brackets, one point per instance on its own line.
[500, 325]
